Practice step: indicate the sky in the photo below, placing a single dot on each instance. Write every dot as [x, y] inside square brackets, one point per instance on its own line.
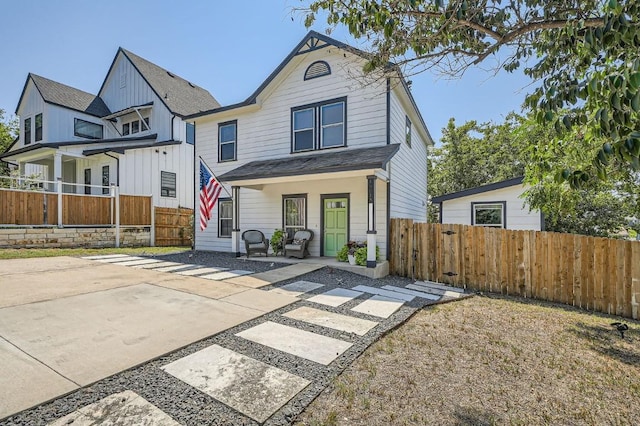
[227, 47]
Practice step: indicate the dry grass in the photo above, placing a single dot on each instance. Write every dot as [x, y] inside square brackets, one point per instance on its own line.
[486, 361]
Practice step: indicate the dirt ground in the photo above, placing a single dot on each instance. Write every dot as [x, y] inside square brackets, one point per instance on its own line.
[491, 360]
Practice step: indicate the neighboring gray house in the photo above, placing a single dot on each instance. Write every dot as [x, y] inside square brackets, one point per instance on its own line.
[132, 133]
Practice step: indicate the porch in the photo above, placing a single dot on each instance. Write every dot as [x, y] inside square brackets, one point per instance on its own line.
[381, 269]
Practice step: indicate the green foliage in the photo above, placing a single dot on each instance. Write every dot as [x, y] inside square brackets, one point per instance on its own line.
[359, 250]
[276, 240]
[582, 56]
[8, 133]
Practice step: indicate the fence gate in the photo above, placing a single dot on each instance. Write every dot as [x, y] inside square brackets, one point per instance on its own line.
[449, 249]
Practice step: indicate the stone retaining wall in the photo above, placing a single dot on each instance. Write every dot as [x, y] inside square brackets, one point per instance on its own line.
[135, 236]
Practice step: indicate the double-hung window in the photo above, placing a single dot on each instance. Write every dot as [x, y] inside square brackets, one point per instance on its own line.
[27, 131]
[227, 139]
[225, 217]
[319, 126]
[489, 214]
[294, 214]
[38, 127]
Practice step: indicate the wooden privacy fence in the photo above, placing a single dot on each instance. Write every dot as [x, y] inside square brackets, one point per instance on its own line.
[598, 274]
[32, 208]
[174, 227]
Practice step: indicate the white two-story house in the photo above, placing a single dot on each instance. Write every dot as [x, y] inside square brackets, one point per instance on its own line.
[316, 146]
[132, 133]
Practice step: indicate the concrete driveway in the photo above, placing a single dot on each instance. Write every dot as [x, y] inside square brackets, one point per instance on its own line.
[67, 322]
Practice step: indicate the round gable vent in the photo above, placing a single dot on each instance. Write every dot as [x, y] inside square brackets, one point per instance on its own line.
[317, 69]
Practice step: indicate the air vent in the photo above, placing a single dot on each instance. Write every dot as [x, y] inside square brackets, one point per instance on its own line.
[317, 69]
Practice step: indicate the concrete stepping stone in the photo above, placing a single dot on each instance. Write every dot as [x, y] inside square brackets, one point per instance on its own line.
[335, 297]
[297, 288]
[105, 256]
[158, 264]
[332, 320]
[286, 273]
[138, 262]
[304, 344]
[385, 293]
[378, 306]
[120, 259]
[421, 294]
[201, 270]
[453, 294]
[118, 409]
[251, 387]
[226, 274]
[439, 286]
[175, 268]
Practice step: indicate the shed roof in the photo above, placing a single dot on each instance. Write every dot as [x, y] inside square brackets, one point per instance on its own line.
[479, 189]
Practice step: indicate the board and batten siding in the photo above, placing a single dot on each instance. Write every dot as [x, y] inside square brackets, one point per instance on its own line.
[408, 168]
[32, 104]
[458, 210]
[262, 210]
[135, 91]
[60, 124]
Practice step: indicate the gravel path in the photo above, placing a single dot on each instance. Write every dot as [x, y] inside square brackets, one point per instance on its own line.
[189, 406]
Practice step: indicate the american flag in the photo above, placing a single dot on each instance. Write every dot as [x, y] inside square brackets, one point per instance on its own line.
[210, 190]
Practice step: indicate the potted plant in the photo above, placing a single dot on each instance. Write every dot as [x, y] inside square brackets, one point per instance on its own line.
[276, 241]
[351, 255]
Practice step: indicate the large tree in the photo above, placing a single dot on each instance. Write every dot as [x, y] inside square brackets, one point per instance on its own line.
[583, 56]
[8, 133]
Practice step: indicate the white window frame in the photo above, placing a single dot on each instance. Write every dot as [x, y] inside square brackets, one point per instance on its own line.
[489, 205]
[233, 123]
[325, 126]
[144, 125]
[221, 202]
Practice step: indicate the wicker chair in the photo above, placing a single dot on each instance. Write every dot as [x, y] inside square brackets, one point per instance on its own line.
[299, 246]
[255, 242]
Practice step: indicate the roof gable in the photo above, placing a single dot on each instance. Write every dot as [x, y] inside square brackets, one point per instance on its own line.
[311, 42]
[65, 96]
[180, 96]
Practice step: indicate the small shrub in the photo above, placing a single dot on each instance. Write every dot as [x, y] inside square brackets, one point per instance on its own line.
[276, 240]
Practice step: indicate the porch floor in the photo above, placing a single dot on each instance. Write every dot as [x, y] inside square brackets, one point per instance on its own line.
[381, 270]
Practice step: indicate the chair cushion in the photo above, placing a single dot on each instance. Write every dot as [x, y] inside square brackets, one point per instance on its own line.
[257, 245]
[293, 247]
[299, 241]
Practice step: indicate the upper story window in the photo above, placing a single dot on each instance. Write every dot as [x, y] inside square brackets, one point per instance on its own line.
[191, 133]
[317, 69]
[87, 129]
[318, 126]
[227, 138]
[27, 131]
[38, 127]
[133, 126]
[408, 131]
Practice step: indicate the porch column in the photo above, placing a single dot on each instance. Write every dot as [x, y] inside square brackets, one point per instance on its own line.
[371, 221]
[235, 231]
[57, 166]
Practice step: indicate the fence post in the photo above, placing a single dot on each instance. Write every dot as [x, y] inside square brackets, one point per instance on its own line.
[59, 188]
[115, 191]
[152, 231]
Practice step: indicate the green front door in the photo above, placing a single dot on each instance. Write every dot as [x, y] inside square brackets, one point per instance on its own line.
[335, 225]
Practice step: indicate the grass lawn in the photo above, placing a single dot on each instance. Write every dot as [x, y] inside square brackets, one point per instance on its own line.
[491, 360]
[25, 253]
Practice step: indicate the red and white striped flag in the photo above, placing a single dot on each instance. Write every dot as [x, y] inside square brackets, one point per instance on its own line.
[210, 190]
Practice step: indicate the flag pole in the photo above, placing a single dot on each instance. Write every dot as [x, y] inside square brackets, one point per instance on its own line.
[214, 176]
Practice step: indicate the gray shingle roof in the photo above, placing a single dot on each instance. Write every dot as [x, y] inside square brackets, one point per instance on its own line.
[180, 96]
[69, 97]
[294, 165]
